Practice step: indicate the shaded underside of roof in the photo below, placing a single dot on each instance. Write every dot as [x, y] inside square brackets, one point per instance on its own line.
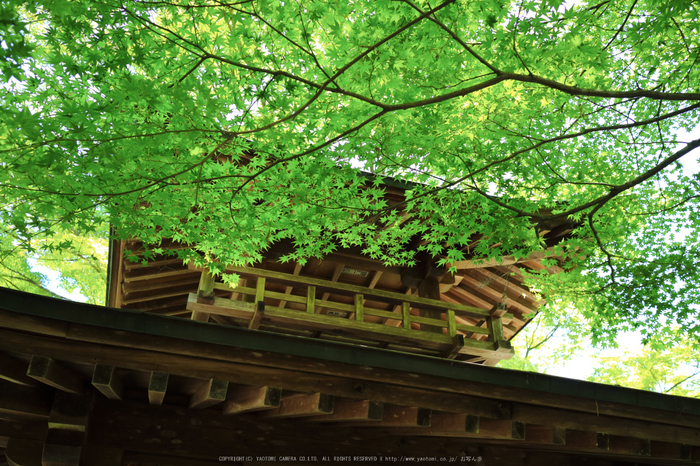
[315, 397]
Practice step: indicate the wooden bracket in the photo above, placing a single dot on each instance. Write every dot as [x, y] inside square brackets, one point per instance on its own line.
[157, 386]
[48, 371]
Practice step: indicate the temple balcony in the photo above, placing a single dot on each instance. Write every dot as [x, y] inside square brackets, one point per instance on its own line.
[348, 298]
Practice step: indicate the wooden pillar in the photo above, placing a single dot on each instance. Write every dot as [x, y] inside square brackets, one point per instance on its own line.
[67, 432]
[430, 288]
[205, 295]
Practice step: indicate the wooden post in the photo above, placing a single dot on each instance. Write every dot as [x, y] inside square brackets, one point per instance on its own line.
[211, 393]
[495, 324]
[311, 299]
[205, 295]
[430, 288]
[359, 308]
[157, 386]
[107, 381]
[48, 371]
[259, 304]
[406, 310]
[451, 323]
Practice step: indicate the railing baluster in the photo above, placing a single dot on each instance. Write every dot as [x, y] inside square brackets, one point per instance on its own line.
[260, 290]
[451, 323]
[359, 308]
[406, 308]
[311, 299]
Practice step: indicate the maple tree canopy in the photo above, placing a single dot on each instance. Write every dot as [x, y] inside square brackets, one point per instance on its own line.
[232, 125]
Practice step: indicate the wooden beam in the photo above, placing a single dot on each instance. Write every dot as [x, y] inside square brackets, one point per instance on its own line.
[107, 381]
[611, 425]
[247, 399]
[49, 372]
[60, 455]
[23, 452]
[430, 288]
[302, 406]
[503, 261]
[210, 393]
[402, 416]
[353, 410]
[471, 297]
[71, 412]
[461, 426]
[24, 402]
[15, 371]
[157, 386]
[463, 423]
[546, 435]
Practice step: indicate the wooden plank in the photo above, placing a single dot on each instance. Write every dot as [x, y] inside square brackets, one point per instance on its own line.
[335, 305]
[302, 406]
[225, 307]
[622, 445]
[15, 371]
[353, 410]
[107, 381]
[209, 394]
[286, 298]
[402, 416]
[378, 313]
[471, 297]
[32, 324]
[235, 289]
[49, 372]
[24, 452]
[319, 322]
[155, 296]
[151, 276]
[668, 450]
[435, 323]
[248, 399]
[473, 329]
[157, 386]
[159, 263]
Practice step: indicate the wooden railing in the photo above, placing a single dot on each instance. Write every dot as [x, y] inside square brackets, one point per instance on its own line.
[357, 320]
